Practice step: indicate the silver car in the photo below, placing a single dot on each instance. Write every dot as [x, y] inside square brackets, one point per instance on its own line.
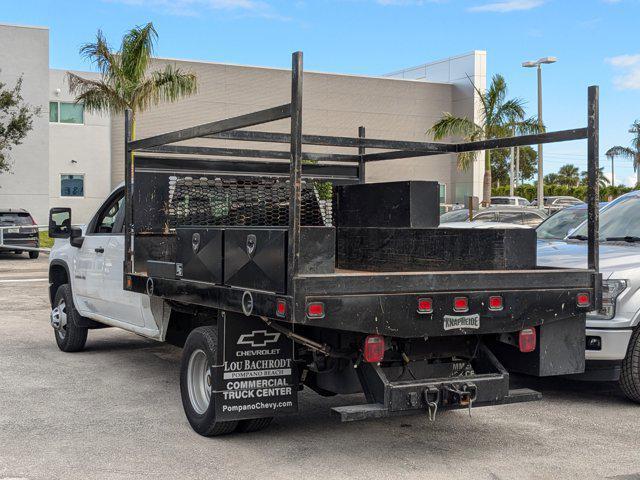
[613, 333]
[529, 217]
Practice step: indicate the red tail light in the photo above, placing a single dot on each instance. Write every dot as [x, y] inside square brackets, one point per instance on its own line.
[583, 300]
[315, 310]
[374, 349]
[425, 305]
[527, 340]
[281, 308]
[460, 304]
[496, 303]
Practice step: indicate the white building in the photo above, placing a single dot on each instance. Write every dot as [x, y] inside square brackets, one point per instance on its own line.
[74, 158]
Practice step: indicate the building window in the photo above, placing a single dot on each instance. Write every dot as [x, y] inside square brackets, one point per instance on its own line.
[66, 112]
[72, 185]
[53, 112]
[443, 193]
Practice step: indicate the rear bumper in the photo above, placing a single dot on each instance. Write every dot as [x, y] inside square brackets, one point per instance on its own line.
[10, 243]
[614, 344]
[386, 303]
[396, 315]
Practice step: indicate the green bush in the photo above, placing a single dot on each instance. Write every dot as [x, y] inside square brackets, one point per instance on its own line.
[530, 192]
[45, 241]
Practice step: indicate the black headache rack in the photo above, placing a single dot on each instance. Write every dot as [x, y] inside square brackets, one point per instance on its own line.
[253, 230]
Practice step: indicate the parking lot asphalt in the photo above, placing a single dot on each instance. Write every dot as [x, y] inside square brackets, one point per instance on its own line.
[114, 412]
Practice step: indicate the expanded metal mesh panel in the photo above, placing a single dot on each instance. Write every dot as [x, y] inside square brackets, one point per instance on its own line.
[244, 201]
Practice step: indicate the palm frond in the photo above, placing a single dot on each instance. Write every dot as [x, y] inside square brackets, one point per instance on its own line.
[619, 151]
[452, 126]
[465, 160]
[100, 54]
[635, 142]
[495, 95]
[136, 51]
[96, 95]
[166, 85]
[483, 99]
[529, 126]
[511, 111]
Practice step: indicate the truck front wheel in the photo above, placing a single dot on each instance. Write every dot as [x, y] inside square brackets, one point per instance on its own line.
[196, 383]
[630, 375]
[64, 320]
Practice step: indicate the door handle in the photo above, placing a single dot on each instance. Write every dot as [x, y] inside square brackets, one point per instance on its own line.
[99, 250]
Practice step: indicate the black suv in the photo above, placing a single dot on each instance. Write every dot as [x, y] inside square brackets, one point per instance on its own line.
[19, 230]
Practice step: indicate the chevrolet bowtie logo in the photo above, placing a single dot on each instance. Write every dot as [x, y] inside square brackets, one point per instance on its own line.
[258, 338]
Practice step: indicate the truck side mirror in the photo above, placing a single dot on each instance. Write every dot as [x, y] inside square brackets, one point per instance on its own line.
[60, 222]
[76, 238]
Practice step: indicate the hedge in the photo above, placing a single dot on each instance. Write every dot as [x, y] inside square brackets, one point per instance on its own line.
[530, 192]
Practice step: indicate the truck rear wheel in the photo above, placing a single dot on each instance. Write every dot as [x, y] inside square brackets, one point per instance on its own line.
[630, 375]
[198, 355]
[64, 320]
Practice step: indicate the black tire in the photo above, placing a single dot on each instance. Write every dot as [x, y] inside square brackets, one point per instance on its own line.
[201, 339]
[630, 374]
[71, 338]
[253, 425]
[34, 255]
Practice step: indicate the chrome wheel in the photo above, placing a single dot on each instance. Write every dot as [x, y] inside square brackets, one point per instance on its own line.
[59, 319]
[199, 381]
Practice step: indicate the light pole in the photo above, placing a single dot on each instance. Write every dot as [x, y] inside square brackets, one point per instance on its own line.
[538, 64]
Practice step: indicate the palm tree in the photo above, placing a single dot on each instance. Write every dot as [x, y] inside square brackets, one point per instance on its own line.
[632, 152]
[126, 80]
[551, 179]
[569, 175]
[499, 118]
[603, 181]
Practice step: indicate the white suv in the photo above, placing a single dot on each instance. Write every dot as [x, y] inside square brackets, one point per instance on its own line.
[613, 333]
[518, 201]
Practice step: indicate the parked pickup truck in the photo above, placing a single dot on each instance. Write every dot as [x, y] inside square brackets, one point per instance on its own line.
[613, 332]
[277, 275]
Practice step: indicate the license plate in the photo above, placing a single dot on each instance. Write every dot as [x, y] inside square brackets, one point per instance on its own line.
[462, 322]
[13, 230]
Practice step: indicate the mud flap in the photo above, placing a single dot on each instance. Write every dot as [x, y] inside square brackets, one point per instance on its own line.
[255, 375]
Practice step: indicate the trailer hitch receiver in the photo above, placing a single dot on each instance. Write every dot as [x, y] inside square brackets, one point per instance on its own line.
[463, 394]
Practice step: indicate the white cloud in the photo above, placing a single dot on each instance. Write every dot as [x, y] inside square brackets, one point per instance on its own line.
[193, 8]
[508, 6]
[629, 181]
[624, 60]
[628, 68]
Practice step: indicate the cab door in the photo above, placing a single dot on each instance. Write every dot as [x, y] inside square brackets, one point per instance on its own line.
[119, 304]
[89, 260]
[100, 261]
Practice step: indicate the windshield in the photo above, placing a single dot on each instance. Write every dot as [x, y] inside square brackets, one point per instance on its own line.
[17, 218]
[502, 201]
[558, 226]
[454, 216]
[620, 220]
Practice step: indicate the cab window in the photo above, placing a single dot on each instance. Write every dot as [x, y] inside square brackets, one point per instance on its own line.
[110, 218]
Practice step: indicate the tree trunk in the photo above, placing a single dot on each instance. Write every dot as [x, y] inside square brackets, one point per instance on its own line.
[486, 186]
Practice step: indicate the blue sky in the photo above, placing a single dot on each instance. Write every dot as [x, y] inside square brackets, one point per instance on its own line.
[596, 42]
